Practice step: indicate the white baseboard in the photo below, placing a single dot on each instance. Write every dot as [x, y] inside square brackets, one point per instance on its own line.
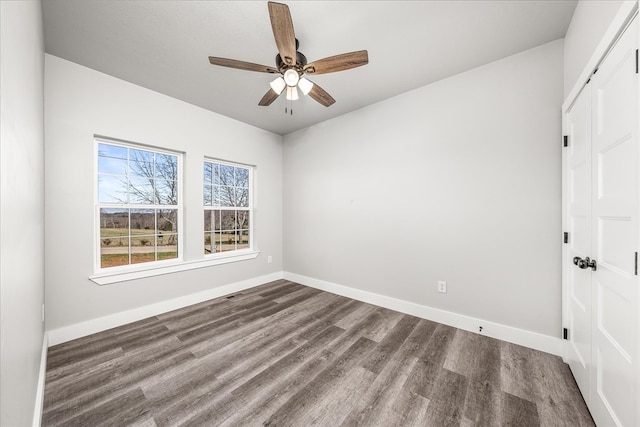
[78, 330]
[37, 410]
[522, 337]
[510, 334]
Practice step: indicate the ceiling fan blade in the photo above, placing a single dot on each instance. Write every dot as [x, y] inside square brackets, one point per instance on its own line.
[321, 95]
[282, 26]
[268, 98]
[242, 65]
[335, 63]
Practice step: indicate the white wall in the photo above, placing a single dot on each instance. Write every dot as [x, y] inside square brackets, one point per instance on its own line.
[80, 102]
[456, 181]
[21, 212]
[589, 22]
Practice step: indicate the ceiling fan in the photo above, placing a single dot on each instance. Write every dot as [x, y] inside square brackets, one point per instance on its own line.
[292, 65]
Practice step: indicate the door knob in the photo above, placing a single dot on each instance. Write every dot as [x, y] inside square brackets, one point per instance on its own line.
[585, 263]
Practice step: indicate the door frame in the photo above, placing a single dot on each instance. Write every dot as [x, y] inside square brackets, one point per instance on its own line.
[620, 22]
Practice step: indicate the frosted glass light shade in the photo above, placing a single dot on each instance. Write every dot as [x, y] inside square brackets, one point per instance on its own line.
[278, 85]
[291, 77]
[305, 85]
[292, 93]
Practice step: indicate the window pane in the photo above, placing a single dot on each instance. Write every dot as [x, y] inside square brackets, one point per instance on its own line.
[168, 247]
[242, 197]
[141, 163]
[113, 151]
[227, 196]
[142, 244]
[209, 243]
[217, 198]
[216, 174]
[114, 223]
[242, 177]
[208, 173]
[145, 252]
[207, 195]
[226, 175]
[217, 236]
[112, 166]
[243, 240]
[227, 220]
[141, 191]
[227, 240]
[168, 240]
[143, 221]
[167, 192]
[114, 253]
[207, 220]
[112, 189]
[242, 220]
[166, 167]
[217, 220]
[167, 221]
[142, 240]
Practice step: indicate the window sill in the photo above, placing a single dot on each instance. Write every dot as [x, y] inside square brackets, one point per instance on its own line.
[123, 276]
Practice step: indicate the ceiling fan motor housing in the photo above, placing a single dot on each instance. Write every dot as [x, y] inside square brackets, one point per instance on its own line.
[301, 61]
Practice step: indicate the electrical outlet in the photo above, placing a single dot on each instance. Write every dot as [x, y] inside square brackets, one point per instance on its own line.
[269, 259]
[442, 286]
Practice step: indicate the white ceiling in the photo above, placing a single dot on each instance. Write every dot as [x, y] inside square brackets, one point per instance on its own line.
[164, 46]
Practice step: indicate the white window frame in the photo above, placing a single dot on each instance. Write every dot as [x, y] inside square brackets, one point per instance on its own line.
[128, 271]
[250, 200]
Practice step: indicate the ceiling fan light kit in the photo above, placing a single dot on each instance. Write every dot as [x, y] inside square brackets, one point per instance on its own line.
[291, 77]
[292, 93]
[278, 85]
[291, 65]
[305, 85]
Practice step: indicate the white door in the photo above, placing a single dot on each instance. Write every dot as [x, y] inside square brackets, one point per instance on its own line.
[614, 167]
[603, 206]
[579, 227]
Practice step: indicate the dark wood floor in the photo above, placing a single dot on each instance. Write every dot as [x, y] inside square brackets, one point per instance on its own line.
[283, 354]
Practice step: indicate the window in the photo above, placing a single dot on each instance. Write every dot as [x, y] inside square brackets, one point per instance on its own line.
[227, 207]
[137, 206]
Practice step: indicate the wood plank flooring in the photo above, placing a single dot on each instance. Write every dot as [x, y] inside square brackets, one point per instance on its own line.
[283, 354]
